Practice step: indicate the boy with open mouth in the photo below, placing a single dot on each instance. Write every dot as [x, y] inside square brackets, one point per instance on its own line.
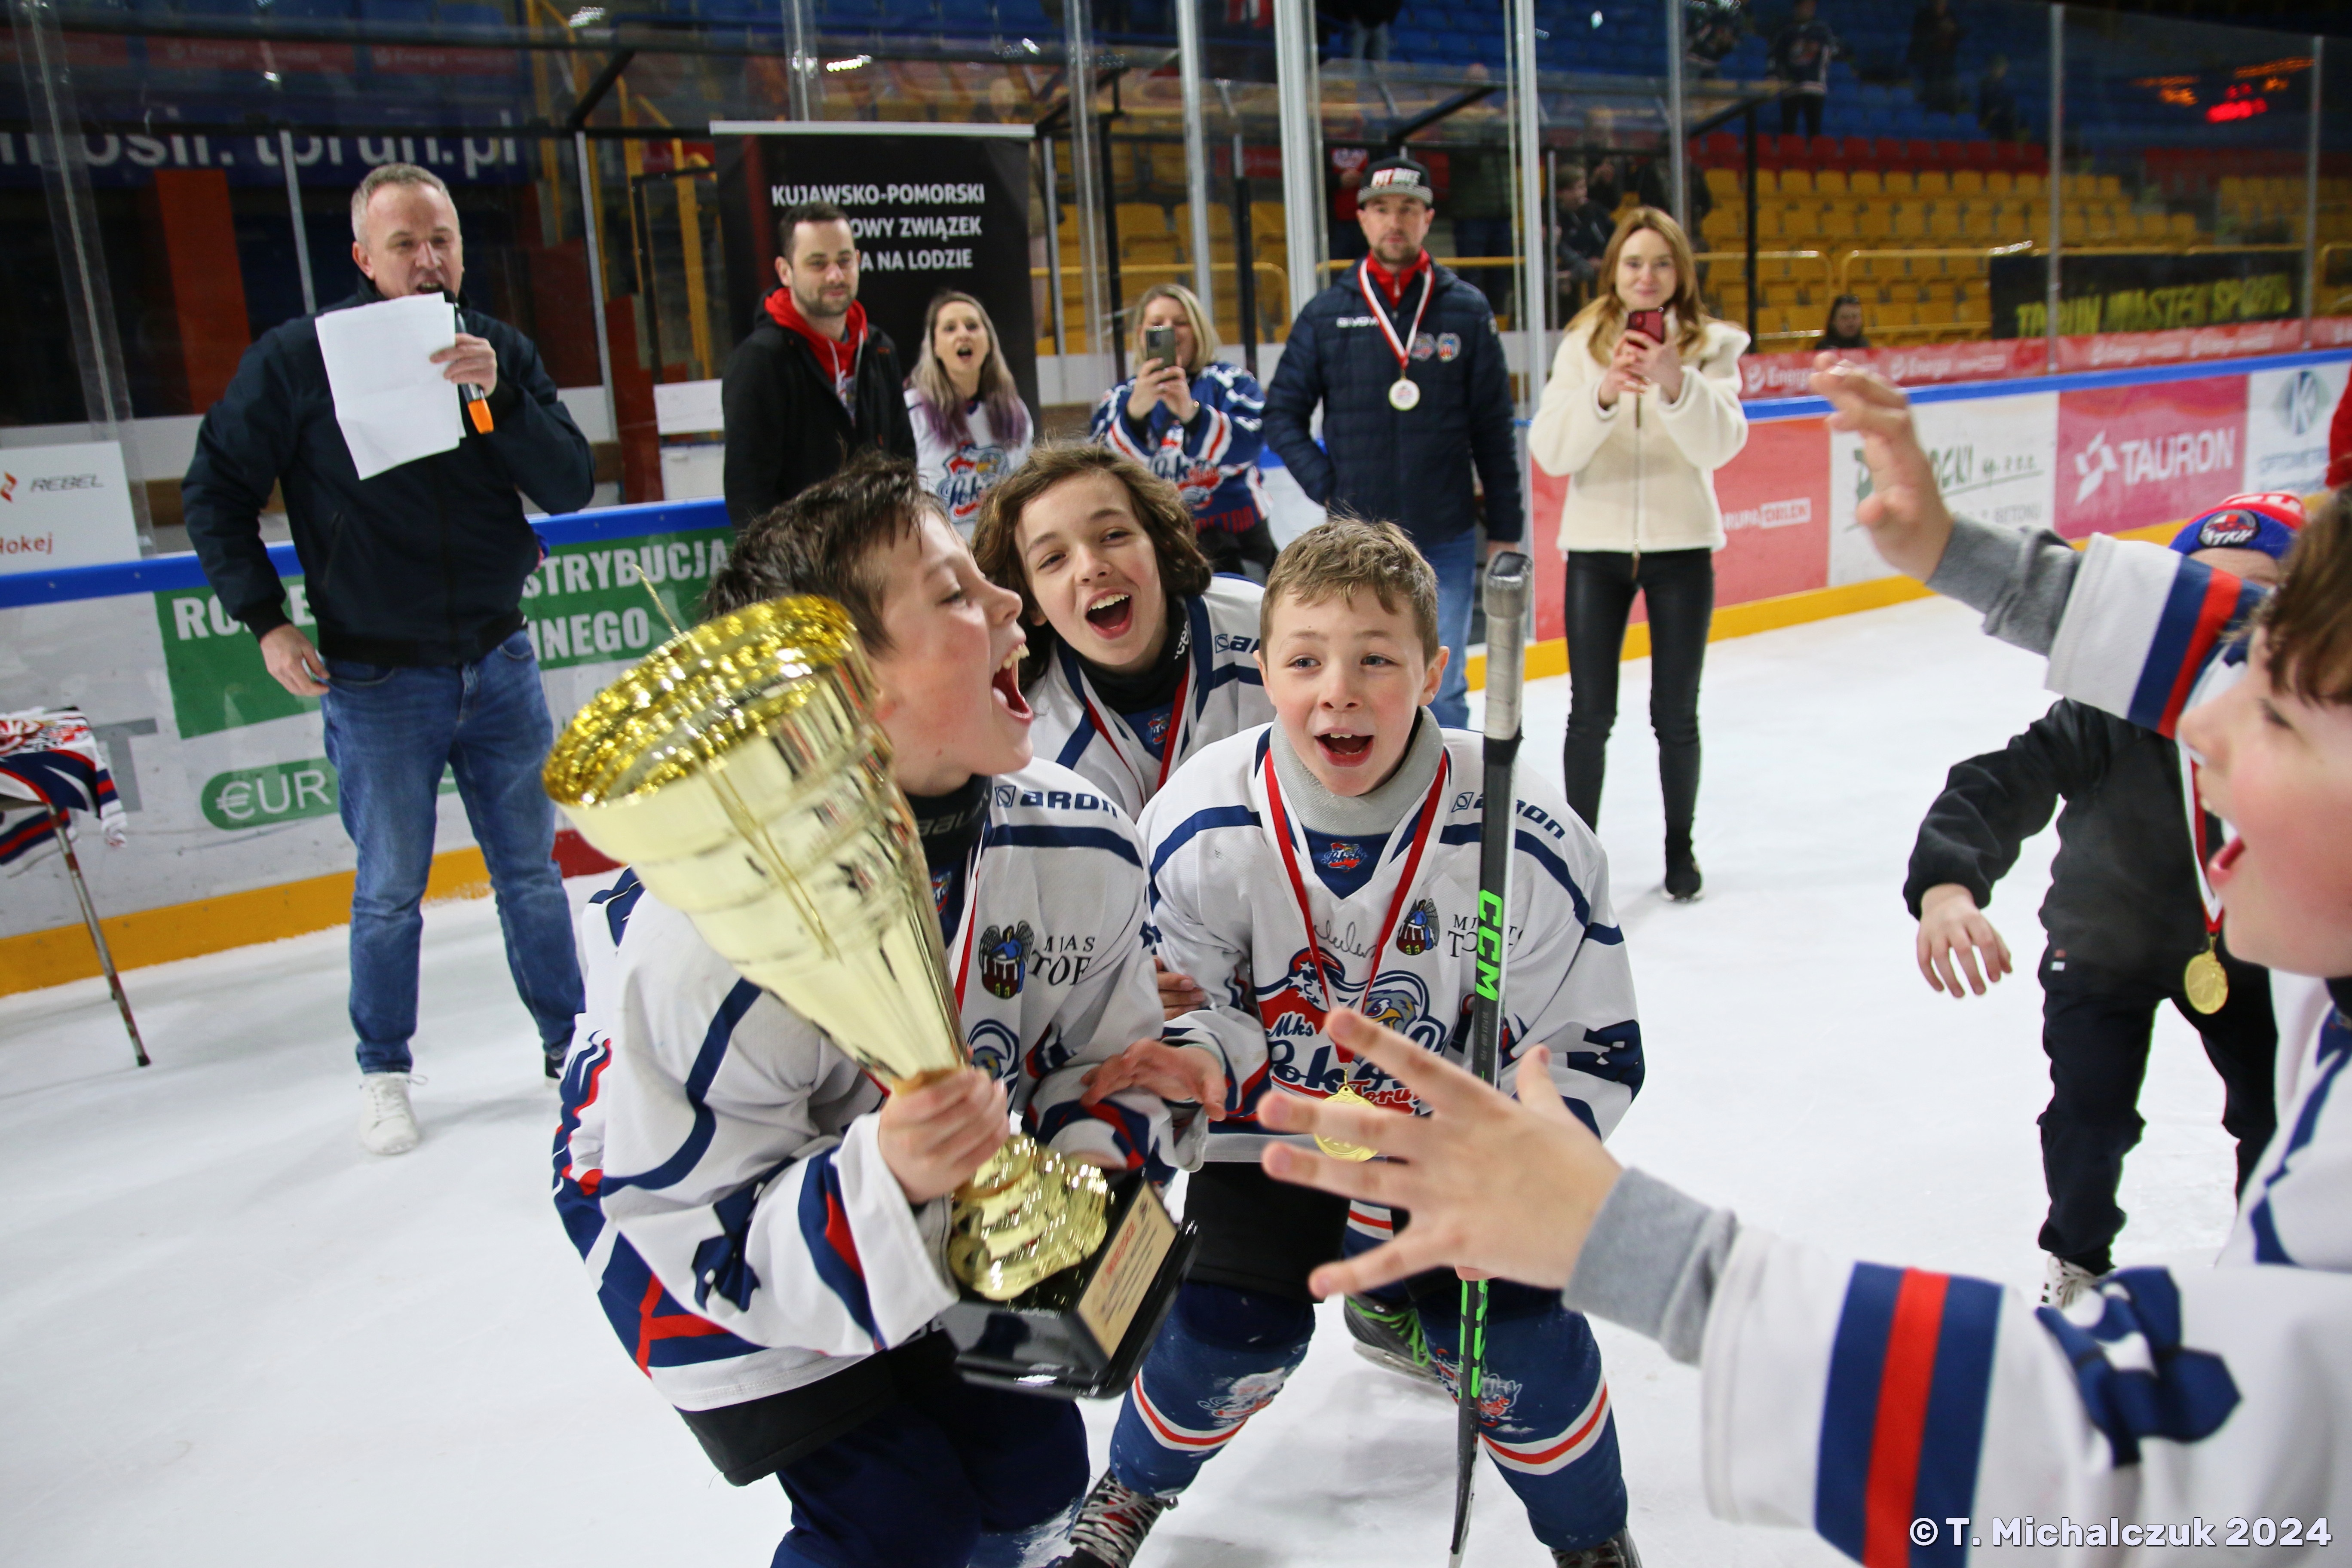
[1330, 860]
[766, 1229]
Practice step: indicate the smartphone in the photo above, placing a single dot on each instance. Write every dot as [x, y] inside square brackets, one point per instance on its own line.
[1160, 343]
[1651, 324]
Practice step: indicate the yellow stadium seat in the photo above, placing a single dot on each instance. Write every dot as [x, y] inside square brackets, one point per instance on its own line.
[1721, 225]
[1865, 183]
[1723, 185]
[2028, 185]
[1967, 182]
[1767, 224]
[1911, 223]
[1999, 182]
[1771, 318]
[1891, 316]
[1781, 292]
[1976, 312]
[1837, 225]
[1801, 223]
[1768, 183]
[1829, 181]
[1932, 182]
[1875, 223]
[1897, 182]
[1796, 182]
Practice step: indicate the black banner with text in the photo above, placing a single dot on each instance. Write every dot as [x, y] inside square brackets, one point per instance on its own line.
[931, 213]
[2142, 291]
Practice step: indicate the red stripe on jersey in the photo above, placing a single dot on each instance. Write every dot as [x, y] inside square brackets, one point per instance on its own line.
[1902, 1386]
[666, 1326]
[2221, 599]
[838, 1234]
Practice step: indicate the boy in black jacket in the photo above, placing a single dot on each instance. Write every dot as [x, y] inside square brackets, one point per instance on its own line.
[2127, 918]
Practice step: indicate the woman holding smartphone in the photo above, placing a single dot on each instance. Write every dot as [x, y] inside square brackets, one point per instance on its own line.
[1196, 422]
[1641, 408]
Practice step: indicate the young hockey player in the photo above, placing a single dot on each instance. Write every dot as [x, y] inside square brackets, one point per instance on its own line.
[1332, 859]
[763, 1227]
[1911, 1416]
[2129, 919]
[1139, 657]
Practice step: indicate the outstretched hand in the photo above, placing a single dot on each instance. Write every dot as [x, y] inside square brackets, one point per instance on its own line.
[1494, 1187]
[1180, 1073]
[1905, 510]
[1953, 935]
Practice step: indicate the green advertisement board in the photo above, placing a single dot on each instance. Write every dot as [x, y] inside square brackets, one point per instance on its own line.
[585, 604]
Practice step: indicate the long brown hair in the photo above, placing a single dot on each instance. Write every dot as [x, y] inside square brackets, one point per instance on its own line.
[1008, 417]
[1160, 510]
[1606, 314]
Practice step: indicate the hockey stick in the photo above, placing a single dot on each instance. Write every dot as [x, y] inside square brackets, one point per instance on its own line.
[1510, 582]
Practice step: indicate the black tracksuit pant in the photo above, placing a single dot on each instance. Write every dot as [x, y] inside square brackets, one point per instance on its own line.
[2095, 1028]
[1679, 586]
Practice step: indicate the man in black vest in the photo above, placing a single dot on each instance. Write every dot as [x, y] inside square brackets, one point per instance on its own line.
[815, 380]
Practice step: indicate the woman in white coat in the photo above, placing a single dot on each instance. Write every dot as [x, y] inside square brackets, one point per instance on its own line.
[1639, 423]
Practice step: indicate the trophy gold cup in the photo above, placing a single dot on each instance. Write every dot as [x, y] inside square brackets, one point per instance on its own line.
[739, 769]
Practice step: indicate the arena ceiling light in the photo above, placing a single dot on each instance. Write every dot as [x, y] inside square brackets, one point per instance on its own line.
[586, 17]
[851, 64]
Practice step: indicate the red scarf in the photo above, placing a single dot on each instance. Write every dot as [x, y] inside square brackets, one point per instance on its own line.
[1394, 285]
[839, 358]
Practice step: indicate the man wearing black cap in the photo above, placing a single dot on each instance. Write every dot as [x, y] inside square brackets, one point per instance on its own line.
[1404, 359]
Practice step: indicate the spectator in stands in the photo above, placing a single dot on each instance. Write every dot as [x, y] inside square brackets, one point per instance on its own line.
[1845, 328]
[1606, 189]
[416, 580]
[1934, 56]
[815, 379]
[1801, 53]
[1198, 422]
[1369, 35]
[1711, 31]
[1479, 203]
[971, 429]
[1404, 361]
[1585, 229]
[1997, 103]
[1639, 424]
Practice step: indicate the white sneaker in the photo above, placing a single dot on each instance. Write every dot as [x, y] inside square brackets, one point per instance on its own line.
[386, 1125]
[2062, 1283]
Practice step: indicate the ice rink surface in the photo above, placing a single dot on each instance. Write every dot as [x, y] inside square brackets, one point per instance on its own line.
[233, 1337]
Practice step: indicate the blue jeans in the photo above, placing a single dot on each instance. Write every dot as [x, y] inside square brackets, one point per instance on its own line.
[391, 731]
[1454, 558]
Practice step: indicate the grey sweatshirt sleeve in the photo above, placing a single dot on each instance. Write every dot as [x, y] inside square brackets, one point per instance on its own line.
[2019, 580]
[1651, 1262]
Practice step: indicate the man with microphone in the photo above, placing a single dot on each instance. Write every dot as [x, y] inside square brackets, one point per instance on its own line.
[415, 577]
[1403, 357]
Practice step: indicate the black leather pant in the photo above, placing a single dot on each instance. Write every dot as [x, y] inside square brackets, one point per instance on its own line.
[1679, 586]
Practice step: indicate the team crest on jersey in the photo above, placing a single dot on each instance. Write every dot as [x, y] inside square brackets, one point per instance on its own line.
[1424, 345]
[1303, 982]
[941, 882]
[1449, 347]
[1340, 856]
[1005, 958]
[993, 1048]
[1418, 934]
[1155, 729]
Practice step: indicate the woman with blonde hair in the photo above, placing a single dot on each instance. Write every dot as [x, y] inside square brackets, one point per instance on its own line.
[1641, 408]
[971, 429]
[1196, 422]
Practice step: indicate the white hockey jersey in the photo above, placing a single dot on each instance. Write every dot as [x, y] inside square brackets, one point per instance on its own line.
[1222, 695]
[1225, 904]
[1916, 1417]
[717, 1165]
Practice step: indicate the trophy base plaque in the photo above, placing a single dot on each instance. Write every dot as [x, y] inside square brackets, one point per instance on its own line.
[1082, 1335]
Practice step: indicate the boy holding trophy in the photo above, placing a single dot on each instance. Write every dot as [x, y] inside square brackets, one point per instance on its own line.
[772, 1236]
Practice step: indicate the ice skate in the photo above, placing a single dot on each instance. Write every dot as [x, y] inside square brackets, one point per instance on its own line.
[1617, 1551]
[1390, 1337]
[553, 1056]
[387, 1126]
[2063, 1282]
[1684, 883]
[1112, 1523]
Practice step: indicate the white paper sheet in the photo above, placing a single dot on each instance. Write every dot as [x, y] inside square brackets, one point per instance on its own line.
[389, 398]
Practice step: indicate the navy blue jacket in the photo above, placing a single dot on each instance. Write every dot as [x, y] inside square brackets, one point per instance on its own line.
[1413, 469]
[422, 564]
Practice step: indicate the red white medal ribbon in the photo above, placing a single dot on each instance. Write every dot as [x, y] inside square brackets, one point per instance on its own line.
[970, 923]
[2205, 893]
[1176, 725]
[1281, 823]
[1380, 316]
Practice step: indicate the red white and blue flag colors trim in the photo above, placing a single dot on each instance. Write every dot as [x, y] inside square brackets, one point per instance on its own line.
[2142, 629]
[1902, 1417]
[48, 756]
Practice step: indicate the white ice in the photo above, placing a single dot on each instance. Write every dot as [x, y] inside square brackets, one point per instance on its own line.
[233, 1337]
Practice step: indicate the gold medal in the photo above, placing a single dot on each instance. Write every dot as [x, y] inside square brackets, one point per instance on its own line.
[2206, 982]
[1404, 395]
[1332, 1146]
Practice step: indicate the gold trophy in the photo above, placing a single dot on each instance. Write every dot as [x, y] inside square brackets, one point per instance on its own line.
[739, 769]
